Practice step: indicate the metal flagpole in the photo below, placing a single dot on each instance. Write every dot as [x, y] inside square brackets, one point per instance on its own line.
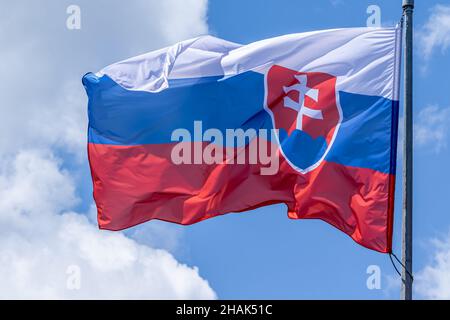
[406, 291]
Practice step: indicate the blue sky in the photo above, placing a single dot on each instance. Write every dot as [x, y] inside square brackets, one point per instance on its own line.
[46, 216]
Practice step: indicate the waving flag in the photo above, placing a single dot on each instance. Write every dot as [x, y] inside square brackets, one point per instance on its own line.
[207, 127]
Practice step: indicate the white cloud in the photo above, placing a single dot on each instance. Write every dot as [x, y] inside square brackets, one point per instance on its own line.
[392, 285]
[43, 109]
[336, 3]
[431, 128]
[40, 238]
[192, 13]
[159, 234]
[435, 34]
[433, 281]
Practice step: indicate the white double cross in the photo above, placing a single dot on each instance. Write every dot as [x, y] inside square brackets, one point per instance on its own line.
[299, 105]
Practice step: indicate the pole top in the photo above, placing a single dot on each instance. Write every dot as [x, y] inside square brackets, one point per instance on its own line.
[408, 3]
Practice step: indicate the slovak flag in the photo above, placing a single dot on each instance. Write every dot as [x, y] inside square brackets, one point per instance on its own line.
[207, 127]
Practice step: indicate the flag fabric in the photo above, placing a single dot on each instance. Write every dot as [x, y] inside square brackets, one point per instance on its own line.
[207, 127]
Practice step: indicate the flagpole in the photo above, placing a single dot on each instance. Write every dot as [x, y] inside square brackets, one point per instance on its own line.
[406, 291]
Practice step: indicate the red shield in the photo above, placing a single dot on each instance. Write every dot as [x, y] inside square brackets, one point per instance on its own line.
[304, 108]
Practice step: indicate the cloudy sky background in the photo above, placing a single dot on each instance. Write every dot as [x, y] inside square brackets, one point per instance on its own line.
[47, 218]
